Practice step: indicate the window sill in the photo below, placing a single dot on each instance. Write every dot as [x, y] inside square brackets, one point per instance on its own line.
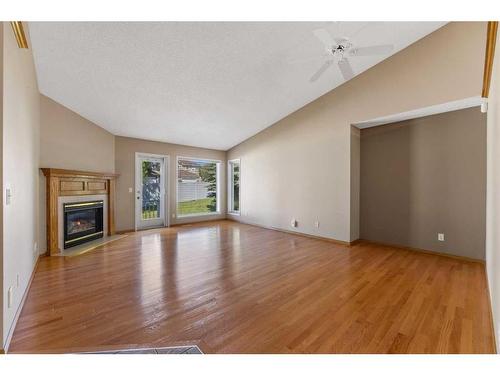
[234, 213]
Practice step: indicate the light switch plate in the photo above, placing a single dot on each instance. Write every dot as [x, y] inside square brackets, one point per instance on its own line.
[8, 196]
[440, 236]
[9, 298]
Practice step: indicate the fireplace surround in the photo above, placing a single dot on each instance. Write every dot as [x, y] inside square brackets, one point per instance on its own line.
[65, 186]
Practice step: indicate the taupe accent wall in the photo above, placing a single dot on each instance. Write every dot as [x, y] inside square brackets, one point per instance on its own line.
[426, 176]
[125, 151]
[305, 159]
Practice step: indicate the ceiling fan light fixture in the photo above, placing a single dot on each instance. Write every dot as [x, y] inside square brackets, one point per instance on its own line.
[340, 49]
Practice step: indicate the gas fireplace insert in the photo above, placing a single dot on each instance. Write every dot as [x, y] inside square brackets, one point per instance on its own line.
[83, 222]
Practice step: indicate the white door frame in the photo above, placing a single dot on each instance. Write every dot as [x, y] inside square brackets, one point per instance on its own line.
[166, 187]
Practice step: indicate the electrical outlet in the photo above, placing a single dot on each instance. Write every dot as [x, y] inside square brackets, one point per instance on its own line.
[173, 216]
[9, 297]
[35, 248]
[17, 280]
[294, 223]
[316, 224]
[130, 190]
[440, 236]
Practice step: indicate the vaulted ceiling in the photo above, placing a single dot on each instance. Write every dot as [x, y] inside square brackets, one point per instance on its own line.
[205, 84]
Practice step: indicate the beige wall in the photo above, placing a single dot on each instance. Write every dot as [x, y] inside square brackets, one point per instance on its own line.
[21, 119]
[69, 141]
[426, 176]
[493, 198]
[305, 159]
[125, 149]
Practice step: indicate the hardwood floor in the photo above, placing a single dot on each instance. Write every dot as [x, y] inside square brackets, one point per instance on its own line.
[234, 288]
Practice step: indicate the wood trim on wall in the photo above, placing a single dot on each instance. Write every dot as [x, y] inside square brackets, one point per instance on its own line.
[52, 195]
[63, 182]
[491, 38]
[55, 172]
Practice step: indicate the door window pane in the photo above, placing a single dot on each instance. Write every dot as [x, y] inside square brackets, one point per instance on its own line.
[151, 189]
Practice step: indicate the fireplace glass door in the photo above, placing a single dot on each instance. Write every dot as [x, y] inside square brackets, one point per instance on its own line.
[82, 222]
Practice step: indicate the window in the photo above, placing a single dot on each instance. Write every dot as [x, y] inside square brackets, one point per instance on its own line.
[197, 187]
[234, 186]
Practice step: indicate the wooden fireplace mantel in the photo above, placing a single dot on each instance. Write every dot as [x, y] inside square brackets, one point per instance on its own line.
[64, 182]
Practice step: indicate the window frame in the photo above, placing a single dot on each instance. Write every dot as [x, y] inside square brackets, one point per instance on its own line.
[217, 190]
[230, 208]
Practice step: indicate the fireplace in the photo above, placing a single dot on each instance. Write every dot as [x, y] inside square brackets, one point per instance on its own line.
[83, 222]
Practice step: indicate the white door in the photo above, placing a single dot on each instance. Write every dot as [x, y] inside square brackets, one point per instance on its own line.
[150, 191]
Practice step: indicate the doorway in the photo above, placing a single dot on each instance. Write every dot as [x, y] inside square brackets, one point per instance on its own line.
[151, 200]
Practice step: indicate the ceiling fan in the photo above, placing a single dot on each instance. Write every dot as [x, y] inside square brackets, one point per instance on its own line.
[340, 50]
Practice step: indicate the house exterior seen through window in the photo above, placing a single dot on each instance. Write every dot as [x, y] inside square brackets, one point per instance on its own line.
[234, 186]
[197, 187]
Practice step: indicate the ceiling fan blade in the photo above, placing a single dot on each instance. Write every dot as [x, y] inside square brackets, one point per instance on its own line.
[321, 70]
[382, 49]
[324, 37]
[346, 69]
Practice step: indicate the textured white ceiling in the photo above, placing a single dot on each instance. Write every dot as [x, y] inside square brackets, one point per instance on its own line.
[205, 84]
